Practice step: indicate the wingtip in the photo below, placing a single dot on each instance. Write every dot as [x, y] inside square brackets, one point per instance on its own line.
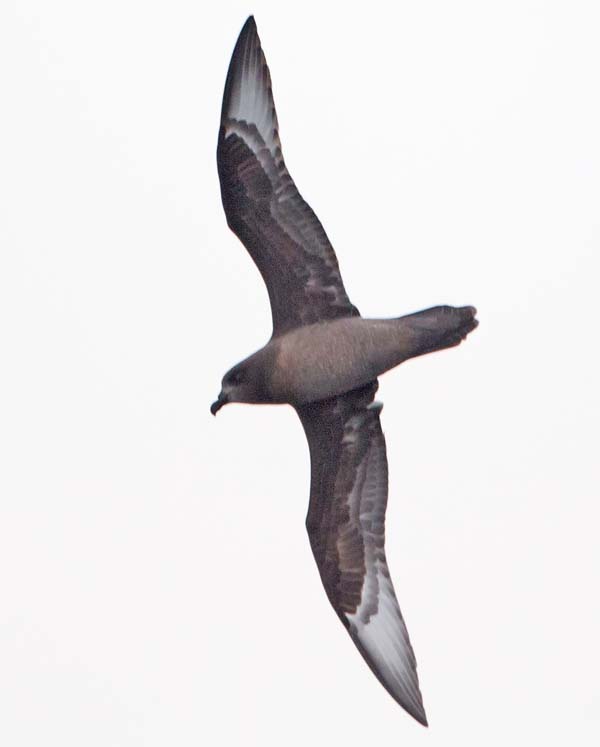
[414, 709]
[249, 26]
[248, 31]
[414, 706]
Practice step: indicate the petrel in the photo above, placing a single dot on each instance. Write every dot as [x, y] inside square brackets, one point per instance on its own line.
[323, 359]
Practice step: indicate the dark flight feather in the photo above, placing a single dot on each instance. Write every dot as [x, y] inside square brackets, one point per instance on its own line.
[262, 205]
[345, 522]
[349, 479]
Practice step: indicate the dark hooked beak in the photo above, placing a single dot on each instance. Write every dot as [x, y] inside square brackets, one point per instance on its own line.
[216, 406]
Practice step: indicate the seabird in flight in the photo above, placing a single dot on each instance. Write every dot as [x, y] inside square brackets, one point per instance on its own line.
[323, 359]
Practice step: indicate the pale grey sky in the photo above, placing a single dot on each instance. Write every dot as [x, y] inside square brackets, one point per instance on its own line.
[156, 582]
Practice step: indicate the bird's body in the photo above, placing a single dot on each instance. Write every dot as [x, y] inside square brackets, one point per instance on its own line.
[329, 358]
[323, 359]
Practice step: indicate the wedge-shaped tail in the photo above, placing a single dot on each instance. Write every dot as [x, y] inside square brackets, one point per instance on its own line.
[437, 328]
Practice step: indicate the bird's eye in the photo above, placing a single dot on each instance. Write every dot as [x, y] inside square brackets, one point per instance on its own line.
[235, 378]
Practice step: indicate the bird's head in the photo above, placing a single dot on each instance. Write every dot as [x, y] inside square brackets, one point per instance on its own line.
[240, 384]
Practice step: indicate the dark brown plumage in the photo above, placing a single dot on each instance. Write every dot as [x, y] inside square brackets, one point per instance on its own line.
[263, 207]
[348, 460]
[324, 360]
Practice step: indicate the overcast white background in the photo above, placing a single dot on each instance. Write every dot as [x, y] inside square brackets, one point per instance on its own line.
[156, 581]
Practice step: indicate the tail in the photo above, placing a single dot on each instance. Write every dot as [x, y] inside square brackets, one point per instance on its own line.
[437, 328]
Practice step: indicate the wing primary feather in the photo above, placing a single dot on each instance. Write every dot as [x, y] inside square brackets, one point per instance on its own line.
[348, 496]
[345, 523]
[262, 204]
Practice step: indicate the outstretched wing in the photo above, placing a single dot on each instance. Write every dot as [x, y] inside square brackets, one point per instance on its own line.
[263, 207]
[345, 522]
